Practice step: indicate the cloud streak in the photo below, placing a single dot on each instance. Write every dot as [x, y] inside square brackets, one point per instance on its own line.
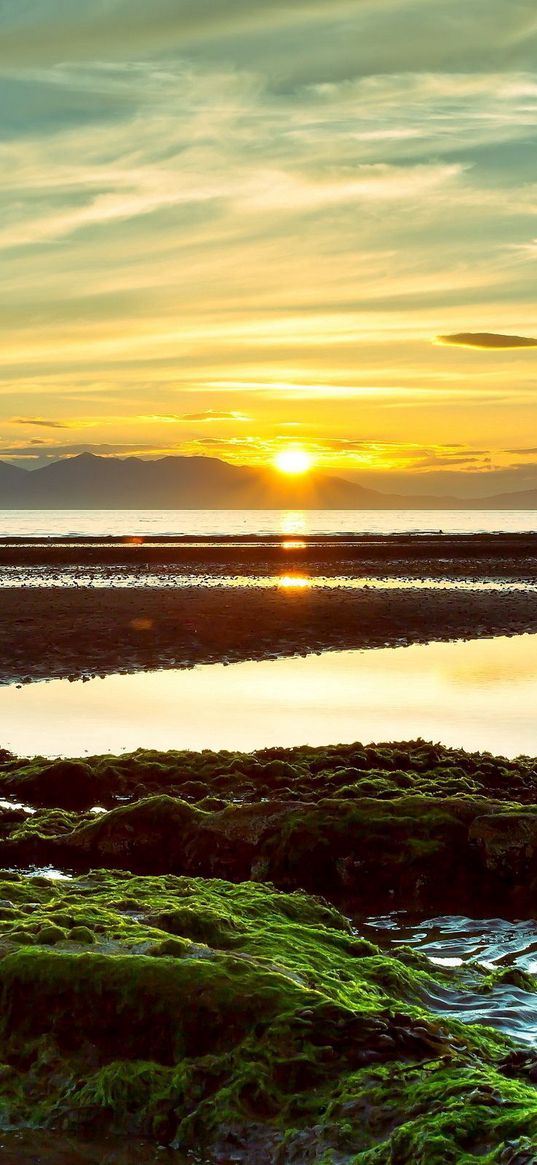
[214, 415]
[41, 422]
[488, 341]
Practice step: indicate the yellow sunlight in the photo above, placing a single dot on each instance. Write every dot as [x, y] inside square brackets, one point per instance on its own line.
[293, 461]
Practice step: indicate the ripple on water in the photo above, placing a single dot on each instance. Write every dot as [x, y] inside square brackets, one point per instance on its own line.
[457, 941]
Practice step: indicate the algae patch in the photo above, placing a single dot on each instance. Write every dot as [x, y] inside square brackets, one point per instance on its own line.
[187, 984]
[234, 1019]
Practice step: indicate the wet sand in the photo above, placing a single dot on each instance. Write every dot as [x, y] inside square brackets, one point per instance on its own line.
[47, 633]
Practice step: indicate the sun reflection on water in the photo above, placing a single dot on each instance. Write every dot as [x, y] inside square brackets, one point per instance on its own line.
[295, 582]
[293, 522]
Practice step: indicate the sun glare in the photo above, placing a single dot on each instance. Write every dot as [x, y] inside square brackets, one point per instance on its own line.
[294, 582]
[293, 461]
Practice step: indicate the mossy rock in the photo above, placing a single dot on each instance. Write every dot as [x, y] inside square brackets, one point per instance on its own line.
[302, 1037]
[200, 925]
[21, 937]
[171, 948]
[308, 773]
[50, 935]
[82, 935]
[67, 783]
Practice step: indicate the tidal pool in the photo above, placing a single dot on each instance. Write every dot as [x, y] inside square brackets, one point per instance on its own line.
[453, 941]
[479, 695]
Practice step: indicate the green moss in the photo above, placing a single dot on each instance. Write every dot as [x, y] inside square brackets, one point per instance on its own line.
[82, 935]
[50, 935]
[299, 1029]
[511, 977]
[409, 826]
[381, 770]
[171, 948]
[221, 1015]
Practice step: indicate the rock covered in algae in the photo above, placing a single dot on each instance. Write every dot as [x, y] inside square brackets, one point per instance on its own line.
[397, 825]
[305, 774]
[440, 856]
[269, 1031]
[239, 1023]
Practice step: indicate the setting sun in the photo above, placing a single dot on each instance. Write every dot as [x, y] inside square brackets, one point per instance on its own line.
[293, 461]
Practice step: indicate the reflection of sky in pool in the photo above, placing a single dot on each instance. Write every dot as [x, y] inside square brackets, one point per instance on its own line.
[477, 695]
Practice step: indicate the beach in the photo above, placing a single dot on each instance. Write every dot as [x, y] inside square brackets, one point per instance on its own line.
[251, 602]
[53, 633]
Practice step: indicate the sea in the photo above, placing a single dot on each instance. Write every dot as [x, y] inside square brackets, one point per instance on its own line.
[220, 523]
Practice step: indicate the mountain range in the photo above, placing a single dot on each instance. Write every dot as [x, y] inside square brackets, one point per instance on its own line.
[88, 481]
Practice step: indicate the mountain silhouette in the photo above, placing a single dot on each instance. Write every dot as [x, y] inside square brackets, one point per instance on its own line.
[88, 481]
[11, 479]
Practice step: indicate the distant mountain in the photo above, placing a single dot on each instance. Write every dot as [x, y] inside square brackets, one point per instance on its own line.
[520, 500]
[11, 479]
[91, 482]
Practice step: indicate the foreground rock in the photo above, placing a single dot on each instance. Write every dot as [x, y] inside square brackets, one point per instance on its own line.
[243, 1025]
[191, 988]
[412, 827]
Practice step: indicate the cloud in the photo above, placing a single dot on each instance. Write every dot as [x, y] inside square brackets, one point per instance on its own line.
[487, 340]
[295, 43]
[41, 422]
[43, 30]
[50, 452]
[206, 415]
[214, 415]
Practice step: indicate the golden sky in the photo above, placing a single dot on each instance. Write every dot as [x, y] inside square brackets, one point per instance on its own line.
[230, 227]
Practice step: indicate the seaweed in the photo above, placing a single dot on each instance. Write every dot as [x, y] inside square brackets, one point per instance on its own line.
[299, 1039]
[202, 981]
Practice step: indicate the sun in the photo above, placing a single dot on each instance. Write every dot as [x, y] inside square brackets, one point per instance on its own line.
[293, 461]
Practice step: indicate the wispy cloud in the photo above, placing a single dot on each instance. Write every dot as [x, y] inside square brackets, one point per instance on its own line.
[40, 422]
[207, 415]
[214, 415]
[492, 341]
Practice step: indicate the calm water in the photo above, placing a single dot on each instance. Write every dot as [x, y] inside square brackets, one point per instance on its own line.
[479, 695]
[234, 522]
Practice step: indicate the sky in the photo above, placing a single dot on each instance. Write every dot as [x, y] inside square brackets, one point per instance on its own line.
[228, 228]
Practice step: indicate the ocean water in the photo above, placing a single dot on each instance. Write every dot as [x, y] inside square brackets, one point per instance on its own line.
[206, 523]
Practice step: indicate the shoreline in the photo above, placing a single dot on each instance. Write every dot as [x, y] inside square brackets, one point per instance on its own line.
[52, 633]
[480, 557]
